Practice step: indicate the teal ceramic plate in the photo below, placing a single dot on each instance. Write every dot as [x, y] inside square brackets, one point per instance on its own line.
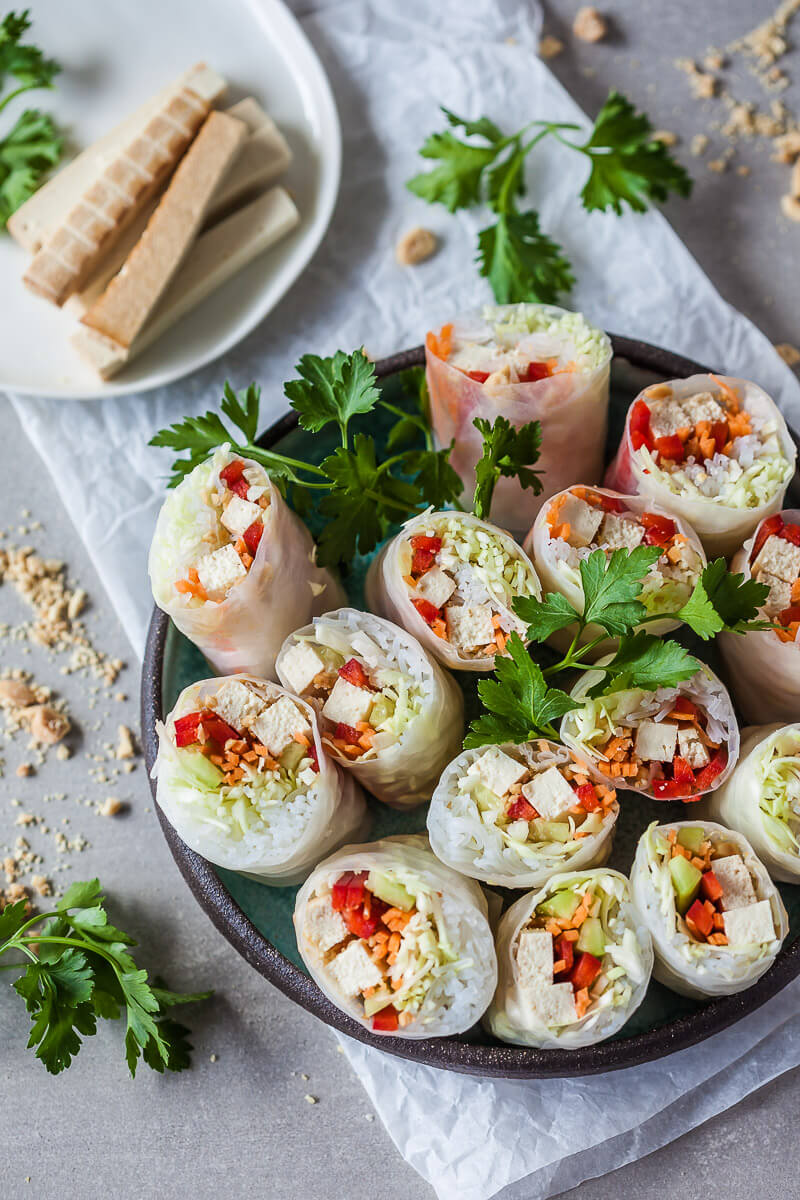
[258, 919]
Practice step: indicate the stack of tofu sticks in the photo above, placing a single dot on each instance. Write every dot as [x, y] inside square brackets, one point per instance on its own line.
[143, 225]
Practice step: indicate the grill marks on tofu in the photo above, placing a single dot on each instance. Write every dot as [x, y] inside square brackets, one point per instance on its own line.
[674, 755]
[239, 501]
[775, 561]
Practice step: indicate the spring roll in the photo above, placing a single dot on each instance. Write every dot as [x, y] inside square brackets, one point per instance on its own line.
[580, 520]
[524, 362]
[234, 567]
[513, 816]
[761, 799]
[715, 916]
[244, 779]
[709, 448]
[450, 579]
[674, 743]
[388, 712]
[764, 666]
[398, 941]
[574, 961]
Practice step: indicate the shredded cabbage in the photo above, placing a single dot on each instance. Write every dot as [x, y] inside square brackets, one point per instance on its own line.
[725, 482]
[777, 769]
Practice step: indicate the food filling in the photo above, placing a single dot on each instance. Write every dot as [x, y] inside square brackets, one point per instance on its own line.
[708, 446]
[538, 798]
[583, 520]
[238, 496]
[462, 581]
[383, 939]
[244, 753]
[777, 768]
[576, 956]
[716, 902]
[775, 561]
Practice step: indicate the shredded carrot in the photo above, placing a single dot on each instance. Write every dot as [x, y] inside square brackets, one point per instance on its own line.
[571, 935]
[731, 397]
[439, 628]
[554, 928]
[582, 1002]
[559, 966]
[442, 344]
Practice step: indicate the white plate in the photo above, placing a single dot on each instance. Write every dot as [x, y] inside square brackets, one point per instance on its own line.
[114, 55]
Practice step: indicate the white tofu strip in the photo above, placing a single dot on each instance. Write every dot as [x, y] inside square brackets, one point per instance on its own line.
[215, 258]
[262, 157]
[38, 218]
[132, 295]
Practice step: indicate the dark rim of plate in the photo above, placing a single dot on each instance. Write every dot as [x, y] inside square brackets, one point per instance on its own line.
[450, 1053]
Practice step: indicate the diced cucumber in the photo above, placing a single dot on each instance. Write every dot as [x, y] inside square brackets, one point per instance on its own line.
[485, 798]
[592, 824]
[591, 937]
[685, 881]
[391, 891]
[199, 771]
[292, 756]
[381, 711]
[376, 1002]
[551, 831]
[561, 905]
[691, 838]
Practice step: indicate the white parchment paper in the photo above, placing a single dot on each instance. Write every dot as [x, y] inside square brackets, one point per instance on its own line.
[391, 65]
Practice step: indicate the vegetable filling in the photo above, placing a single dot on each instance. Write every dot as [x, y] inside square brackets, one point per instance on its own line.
[777, 768]
[775, 561]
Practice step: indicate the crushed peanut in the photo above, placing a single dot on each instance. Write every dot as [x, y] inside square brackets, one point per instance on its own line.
[589, 25]
[790, 207]
[416, 246]
[789, 353]
[125, 745]
[666, 137]
[550, 47]
[111, 807]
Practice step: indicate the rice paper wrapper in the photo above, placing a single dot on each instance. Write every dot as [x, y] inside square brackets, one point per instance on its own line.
[763, 671]
[737, 804]
[721, 970]
[572, 408]
[512, 1019]
[460, 999]
[539, 548]
[462, 840]
[705, 689]
[282, 589]
[721, 527]
[402, 774]
[387, 593]
[338, 811]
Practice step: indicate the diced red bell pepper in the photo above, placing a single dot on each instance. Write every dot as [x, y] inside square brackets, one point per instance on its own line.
[699, 919]
[429, 612]
[668, 789]
[339, 891]
[585, 971]
[252, 536]
[422, 561]
[639, 425]
[478, 376]
[772, 525]
[218, 730]
[421, 541]
[386, 1021]
[720, 434]
[186, 729]
[685, 706]
[521, 810]
[535, 371]
[312, 754]
[587, 797]
[233, 477]
[566, 951]
[682, 771]
[608, 503]
[346, 733]
[704, 779]
[659, 531]
[789, 615]
[791, 533]
[359, 923]
[349, 890]
[710, 887]
[670, 447]
[354, 673]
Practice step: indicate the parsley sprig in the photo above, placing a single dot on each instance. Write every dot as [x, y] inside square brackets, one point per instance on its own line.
[78, 968]
[520, 702]
[484, 166]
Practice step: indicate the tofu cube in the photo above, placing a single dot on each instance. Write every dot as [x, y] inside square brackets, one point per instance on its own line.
[436, 586]
[750, 925]
[323, 927]
[300, 665]
[219, 571]
[238, 704]
[778, 557]
[535, 957]
[620, 533]
[656, 741]
[553, 1005]
[278, 724]
[239, 515]
[550, 794]
[348, 704]
[780, 593]
[667, 417]
[583, 520]
[497, 770]
[353, 970]
[691, 748]
[734, 879]
[469, 626]
[703, 407]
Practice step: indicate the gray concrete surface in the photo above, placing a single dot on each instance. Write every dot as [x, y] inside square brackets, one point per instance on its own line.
[240, 1125]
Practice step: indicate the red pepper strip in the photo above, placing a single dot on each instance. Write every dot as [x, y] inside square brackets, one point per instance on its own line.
[386, 1020]
[356, 889]
[670, 447]
[659, 531]
[521, 810]
[252, 536]
[686, 706]
[535, 371]
[312, 754]
[791, 533]
[422, 561]
[339, 891]
[587, 797]
[359, 923]
[704, 779]
[699, 919]
[233, 477]
[789, 615]
[217, 729]
[681, 771]
[585, 971]
[421, 541]
[429, 612]
[186, 729]
[668, 789]
[346, 733]
[566, 951]
[720, 433]
[639, 425]
[710, 887]
[354, 673]
[478, 376]
[772, 525]
[608, 503]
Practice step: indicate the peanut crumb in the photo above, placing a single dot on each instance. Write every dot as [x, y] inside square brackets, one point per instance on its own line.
[742, 169]
[24, 770]
[550, 47]
[718, 165]
[42, 885]
[699, 144]
[111, 807]
[666, 137]
[589, 25]
[416, 246]
[125, 746]
[790, 207]
[310, 1099]
[789, 353]
[794, 184]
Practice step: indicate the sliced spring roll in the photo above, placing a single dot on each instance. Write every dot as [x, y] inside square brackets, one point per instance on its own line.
[712, 449]
[397, 940]
[764, 665]
[715, 916]
[580, 520]
[674, 743]
[244, 779]
[450, 579]
[234, 567]
[574, 962]
[387, 710]
[513, 816]
[524, 362]
[762, 797]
